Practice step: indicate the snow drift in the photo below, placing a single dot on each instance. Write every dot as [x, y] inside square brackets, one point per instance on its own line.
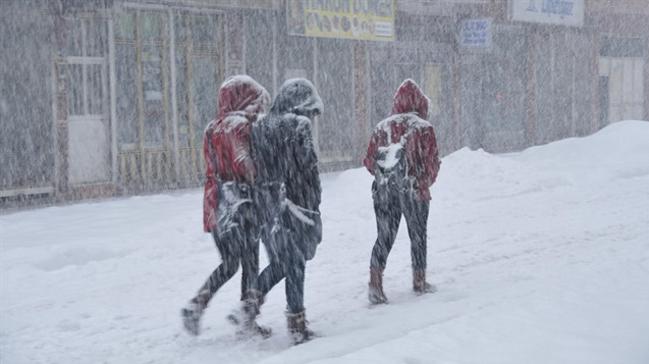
[539, 257]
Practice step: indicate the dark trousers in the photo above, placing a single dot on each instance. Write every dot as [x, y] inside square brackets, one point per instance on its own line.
[235, 248]
[289, 264]
[389, 206]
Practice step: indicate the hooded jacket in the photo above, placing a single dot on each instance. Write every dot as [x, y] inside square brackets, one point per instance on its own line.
[408, 129]
[284, 155]
[226, 142]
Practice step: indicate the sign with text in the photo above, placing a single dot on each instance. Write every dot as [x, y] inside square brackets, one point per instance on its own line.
[344, 19]
[562, 12]
[476, 33]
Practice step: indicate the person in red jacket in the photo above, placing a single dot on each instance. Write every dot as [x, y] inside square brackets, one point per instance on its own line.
[403, 157]
[228, 213]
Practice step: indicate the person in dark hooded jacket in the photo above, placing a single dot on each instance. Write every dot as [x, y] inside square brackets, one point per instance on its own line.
[228, 213]
[289, 194]
[402, 155]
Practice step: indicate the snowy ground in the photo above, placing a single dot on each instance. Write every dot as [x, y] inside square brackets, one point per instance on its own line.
[539, 257]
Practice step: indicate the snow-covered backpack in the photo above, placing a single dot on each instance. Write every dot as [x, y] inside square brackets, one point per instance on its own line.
[391, 167]
[235, 213]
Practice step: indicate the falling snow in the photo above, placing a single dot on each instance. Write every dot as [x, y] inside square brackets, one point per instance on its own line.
[537, 233]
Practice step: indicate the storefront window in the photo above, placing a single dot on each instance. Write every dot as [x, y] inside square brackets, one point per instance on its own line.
[95, 89]
[126, 95]
[198, 63]
[125, 26]
[142, 97]
[153, 94]
[152, 25]
[205, 85]
[204, 30]
[84, 66]
[74, 37]
[198, 73]
[74, 76]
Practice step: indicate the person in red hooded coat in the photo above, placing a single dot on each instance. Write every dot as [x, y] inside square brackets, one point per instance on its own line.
[403, 157]
[228, 213]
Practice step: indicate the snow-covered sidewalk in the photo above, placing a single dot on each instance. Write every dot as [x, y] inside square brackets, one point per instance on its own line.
[539, 257]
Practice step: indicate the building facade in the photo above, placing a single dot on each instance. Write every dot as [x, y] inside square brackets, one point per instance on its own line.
[110, 97]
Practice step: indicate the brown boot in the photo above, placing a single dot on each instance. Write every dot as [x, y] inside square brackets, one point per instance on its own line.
[191, 314]
[375, 293]
[246, 317]
[296, 323]
[419, 284]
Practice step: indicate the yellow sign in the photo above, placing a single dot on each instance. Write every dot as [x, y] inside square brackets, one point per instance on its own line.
[345, 19]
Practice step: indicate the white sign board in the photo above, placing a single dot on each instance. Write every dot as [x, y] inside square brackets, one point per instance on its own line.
[433, 7]
[562, 12]
[476, 33]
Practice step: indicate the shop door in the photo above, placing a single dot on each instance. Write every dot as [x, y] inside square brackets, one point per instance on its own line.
[622, 79]
[88, 136]
[503, 94]
[143, 112]
[83, 77]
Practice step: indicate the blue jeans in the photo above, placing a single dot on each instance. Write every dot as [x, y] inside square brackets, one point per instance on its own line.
[288, 263]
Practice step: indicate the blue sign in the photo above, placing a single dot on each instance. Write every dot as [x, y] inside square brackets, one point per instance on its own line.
[562, 12]
[476, 33]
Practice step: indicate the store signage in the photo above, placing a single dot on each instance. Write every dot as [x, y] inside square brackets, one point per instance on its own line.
[476, 33]
[345, 19]
[562, 12]
[434, 7]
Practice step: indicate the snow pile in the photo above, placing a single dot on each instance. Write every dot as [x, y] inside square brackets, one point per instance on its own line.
[539, 257]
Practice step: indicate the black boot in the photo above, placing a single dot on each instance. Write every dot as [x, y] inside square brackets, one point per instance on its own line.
[297, 329]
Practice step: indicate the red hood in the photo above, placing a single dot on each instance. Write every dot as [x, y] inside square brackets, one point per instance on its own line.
[242, 93]
[409, 98]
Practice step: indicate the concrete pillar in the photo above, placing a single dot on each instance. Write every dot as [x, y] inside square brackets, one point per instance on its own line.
[595, 91]
[361, 97]
[646, 80]
[530, 124]
[457, 102]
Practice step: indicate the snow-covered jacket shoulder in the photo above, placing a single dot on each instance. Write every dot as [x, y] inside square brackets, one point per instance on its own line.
[283, 145]
[226, 141]
[407, 126]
